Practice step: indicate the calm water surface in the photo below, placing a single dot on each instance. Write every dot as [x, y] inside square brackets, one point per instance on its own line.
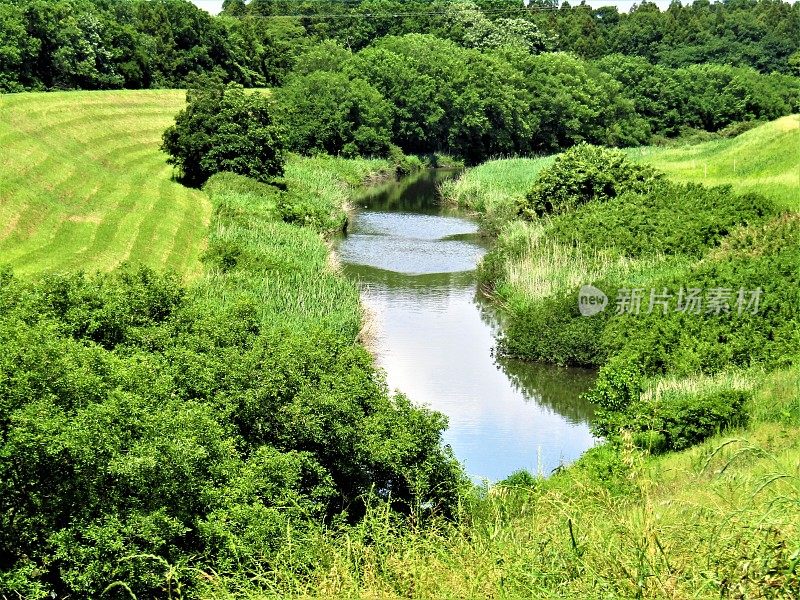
[435, 337]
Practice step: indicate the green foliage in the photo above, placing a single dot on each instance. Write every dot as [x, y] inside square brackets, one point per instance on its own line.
[668, 218]
[718, 95]
[618, 384]
[328, 55]
[327, 112]
[675, 421]
[655, 91]
[467, 25]
[142, 43]
[585, 174]
[149, 429]
[551, 330]
[571, 101]
[225, 129]
[759, 257]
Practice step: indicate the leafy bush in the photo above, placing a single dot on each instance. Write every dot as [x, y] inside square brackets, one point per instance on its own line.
[669, 218]
[584, 174]
[676, 421]
[552, 330]
[225, 129]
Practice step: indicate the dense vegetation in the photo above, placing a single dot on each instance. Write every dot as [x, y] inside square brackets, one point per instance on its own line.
[698, 280]
[103, 44]
[214, 427]
[225, 129]
[222, 432]
[458, 79]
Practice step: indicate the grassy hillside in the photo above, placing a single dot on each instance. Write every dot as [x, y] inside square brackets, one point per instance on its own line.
[83, 184]
[765, 159]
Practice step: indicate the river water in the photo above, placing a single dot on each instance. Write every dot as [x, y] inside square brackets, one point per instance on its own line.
[434, 336]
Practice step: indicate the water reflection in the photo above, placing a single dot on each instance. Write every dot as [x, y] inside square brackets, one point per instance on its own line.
[435, 339]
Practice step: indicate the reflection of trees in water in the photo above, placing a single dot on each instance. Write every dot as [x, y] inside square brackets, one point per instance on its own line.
[417, 193]
[557, 388]
[429, 284]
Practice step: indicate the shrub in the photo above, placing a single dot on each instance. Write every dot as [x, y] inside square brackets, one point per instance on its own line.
[669, 218]
[225, 129]
[584, 174]
[676, 421]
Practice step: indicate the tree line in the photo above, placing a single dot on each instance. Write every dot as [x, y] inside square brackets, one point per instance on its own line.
[106, 44]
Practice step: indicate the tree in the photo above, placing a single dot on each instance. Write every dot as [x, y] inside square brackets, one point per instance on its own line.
[234, 8]
[329, 112]
[225, 129]
[17, 49]
[583, 174]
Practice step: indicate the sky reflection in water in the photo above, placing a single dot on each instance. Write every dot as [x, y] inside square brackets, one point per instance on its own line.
[435, 338]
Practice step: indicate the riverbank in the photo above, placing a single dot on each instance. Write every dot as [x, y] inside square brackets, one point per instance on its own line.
[153, 432]
[719, 520]
[434, 337]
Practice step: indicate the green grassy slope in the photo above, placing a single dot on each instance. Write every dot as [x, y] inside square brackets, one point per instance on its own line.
[493, 188]
[83, 184]
[765, 159]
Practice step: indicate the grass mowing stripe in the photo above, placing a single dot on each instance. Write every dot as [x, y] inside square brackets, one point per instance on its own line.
[83, 182]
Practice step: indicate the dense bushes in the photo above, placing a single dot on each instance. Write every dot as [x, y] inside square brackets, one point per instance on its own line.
[143, 424]
[668, 218]
[585, 174]
[760, 257]
[225, 129]
[696, 280]
[669, 419]
[703, 96]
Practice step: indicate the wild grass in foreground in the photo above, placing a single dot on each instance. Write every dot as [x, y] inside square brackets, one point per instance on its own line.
[721, 520]
[84, 185]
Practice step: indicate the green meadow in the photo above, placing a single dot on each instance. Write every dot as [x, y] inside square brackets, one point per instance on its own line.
[765, 159]
[84, 185]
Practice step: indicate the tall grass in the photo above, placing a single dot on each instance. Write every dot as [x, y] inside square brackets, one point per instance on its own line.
[534, 266]
[282, 270]
[494, 189]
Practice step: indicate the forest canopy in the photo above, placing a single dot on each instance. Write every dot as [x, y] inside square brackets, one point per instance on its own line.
[471, 79]
[102, 44]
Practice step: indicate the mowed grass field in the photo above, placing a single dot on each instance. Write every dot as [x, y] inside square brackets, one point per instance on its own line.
[765, 159]
[83, 184]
